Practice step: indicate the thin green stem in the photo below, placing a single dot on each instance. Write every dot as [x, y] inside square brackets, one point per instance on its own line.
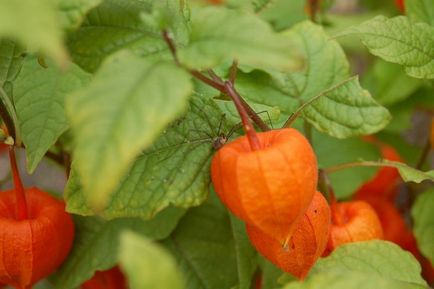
[344, 166]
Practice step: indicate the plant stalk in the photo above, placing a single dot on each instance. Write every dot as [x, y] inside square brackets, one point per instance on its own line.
[21, 211]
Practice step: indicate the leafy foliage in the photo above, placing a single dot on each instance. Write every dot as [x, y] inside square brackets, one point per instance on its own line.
[398, 40]
[147, 265]
[38, 33]
[118, 91]
[205, 237]
[39, 97]
[340, 107]
[220, 35]
[374, 258]
[112, 26]
[143, 98]
[97, 242]
[174, 170]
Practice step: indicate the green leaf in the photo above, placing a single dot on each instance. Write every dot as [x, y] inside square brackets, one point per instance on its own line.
[320, 52]
[260, 88]
[376, 259]
[246, 255]
[121, 112]
[11, 58]
[340, 107]
[420, 10]
[389, 84]
[398, 40]
[219, 35]
[34, 24]
[207, 250]
[410, 174]
[174, 170]
[270, 273]
[346, 110]
[39, 102]
[423, 216]
[337, 280]
[73, 12]
[345, 182]
[96, 244]
[148, 265]
[112, 26]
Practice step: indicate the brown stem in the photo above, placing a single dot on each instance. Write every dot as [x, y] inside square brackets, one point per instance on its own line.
[21, 212]
[215, 77]
[171, 45]
[247, 125]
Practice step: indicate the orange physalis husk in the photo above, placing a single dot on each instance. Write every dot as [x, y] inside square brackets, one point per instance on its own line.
[394, 227]
[269, 188]
[109, 279]
[353, 221]
[33, 248]
[306, 245]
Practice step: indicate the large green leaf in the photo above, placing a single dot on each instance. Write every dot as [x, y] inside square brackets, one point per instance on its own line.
[148, 265]
[219, 35]
[374, 258]
[72, 12]
[398, 40]
[246, 255]
[340, 108]
[423, 216]
[207, 250]
[34, 24]
[337, 280]
[346, 110]
[11, 58]
[420, 10]
[174, 170]
[96, 244]
[110, 27]
[121, 112]
[39, 95]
